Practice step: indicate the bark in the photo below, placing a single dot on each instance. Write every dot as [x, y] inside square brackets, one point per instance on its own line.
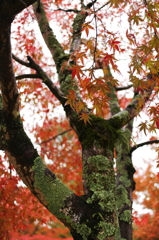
[124, 167]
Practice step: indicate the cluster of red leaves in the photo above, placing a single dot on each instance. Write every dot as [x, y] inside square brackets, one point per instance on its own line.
[21, 215]
[61, 153]
[19, 209]
[146, 226]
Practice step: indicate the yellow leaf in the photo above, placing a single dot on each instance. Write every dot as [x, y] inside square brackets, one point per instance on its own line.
[85, 117]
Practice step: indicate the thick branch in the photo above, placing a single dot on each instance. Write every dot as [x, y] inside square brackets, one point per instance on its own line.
[50, 39]
[113, 100]
[122, 118]
[16, 143]
[43, 183]
[143, 144]
[10, 8]
[77, 29]
[7, 78]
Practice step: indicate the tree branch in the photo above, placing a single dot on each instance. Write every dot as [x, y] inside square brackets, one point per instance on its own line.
[143, 144]
[10, 8]
[102, 6]
[67, 10]
[89, 5]
[77, 29]
[42, 75]
[123, 88]
[27, 76]
[21, 61]
[7, 79]
[122, 118]
[50, 139]
[50, 39]
[47, 81]
[113, 100]
[77, 26]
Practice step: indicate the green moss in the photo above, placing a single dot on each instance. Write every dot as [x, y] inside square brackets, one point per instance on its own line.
[107, 229]
[126, 216]
[68, 84]
[101, 132]
[119, 119]
[101, 163]
[77, 24]
[53, 44]
[98, 132]
[122, 197]
[125, 181]
[58, 54]
[101, 182]
[83, 230]
[52, 189]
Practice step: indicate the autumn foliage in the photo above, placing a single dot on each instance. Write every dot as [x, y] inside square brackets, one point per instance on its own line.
[146, 224]
[21, 215]
[83, 71]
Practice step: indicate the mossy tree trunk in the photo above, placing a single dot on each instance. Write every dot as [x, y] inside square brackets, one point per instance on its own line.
[104, 211]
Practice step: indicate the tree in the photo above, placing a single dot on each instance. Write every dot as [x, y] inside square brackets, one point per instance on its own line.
[99, 114]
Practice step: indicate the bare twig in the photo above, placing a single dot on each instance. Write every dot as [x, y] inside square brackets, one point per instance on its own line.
[143, 144]
[20, 61]
[103, 6]
[47, 81]
[27, 76]
[67, 10]
[42, 75]
[123, 88]
[50, 139]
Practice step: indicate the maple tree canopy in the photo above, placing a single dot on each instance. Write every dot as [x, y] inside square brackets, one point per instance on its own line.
[73, 62]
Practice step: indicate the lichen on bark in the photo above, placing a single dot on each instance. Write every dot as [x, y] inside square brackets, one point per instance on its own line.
[53, 190]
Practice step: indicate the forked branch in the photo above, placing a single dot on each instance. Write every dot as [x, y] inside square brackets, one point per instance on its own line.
[122, 118]
[42, 75]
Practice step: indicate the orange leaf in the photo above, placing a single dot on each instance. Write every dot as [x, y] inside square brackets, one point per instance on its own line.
[85, 117]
